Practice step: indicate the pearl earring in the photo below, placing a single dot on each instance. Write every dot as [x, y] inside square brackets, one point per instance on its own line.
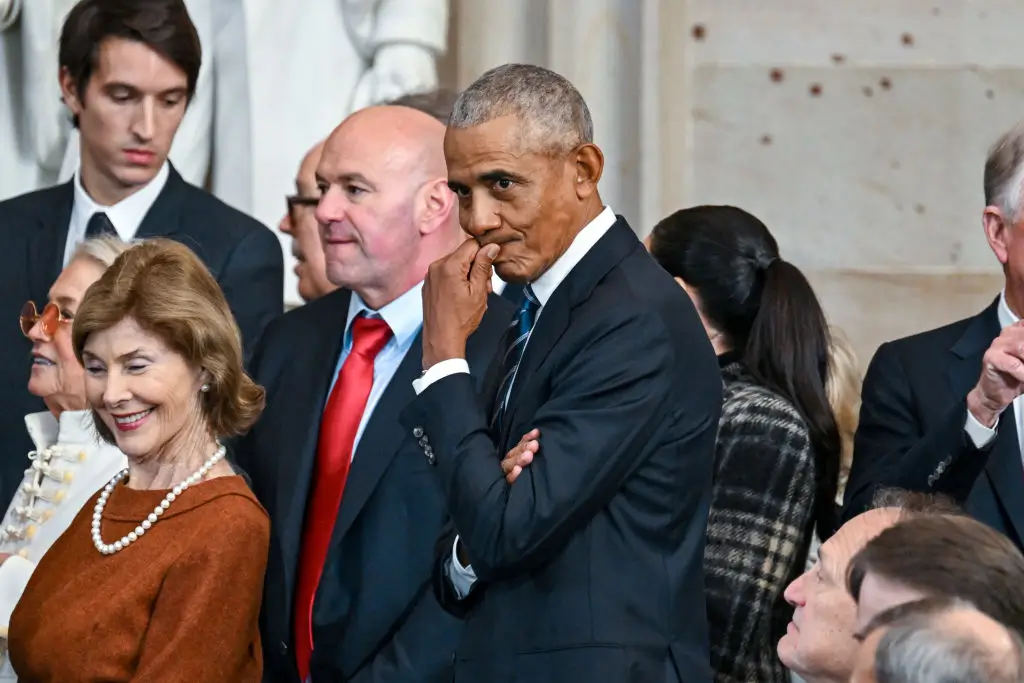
[204, 388]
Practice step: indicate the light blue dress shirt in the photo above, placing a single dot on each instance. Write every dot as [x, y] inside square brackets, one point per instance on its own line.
[404, 316]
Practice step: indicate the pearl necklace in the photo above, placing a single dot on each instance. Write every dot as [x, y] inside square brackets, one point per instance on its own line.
[132, 536]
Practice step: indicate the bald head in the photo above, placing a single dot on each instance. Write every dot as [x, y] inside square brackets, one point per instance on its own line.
[399, 138]
[386, 212]
[307, 168]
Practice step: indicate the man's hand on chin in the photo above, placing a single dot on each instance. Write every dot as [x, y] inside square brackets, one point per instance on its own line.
[454, 300]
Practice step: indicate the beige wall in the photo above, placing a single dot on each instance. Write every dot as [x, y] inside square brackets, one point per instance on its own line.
[856, 130]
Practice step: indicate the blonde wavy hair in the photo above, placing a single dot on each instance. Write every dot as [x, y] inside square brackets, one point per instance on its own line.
[844, 387]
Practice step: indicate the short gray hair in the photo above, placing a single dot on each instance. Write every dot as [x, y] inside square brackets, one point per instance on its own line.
[1004, 173]
[921, 649]
[914, 504]
[103, 250]
[551, 110]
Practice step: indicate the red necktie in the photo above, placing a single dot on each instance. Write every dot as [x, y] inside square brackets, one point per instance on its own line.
[338, 428]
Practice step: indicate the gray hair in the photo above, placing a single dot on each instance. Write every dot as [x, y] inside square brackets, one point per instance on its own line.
[437, 103]
[922, 649]
[103, 250]
[553, 114]
[1004, 173]
[914, 504]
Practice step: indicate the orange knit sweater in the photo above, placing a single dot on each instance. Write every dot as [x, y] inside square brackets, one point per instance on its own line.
[180, 605]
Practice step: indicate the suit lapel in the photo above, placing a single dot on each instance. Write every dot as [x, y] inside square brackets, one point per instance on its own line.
[1004, 467]
[47, 242]
[380, 440]
[164, 217]
[575, 289]
[305, 394]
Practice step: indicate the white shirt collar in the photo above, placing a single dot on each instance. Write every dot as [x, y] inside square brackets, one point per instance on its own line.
[544, 286]
[1006, 316]
[126, 215]
[74, 427]
[404, 315]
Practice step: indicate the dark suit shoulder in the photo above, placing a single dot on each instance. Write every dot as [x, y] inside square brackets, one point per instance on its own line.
[29, 205]
[204, 208]
[307, 319]
[940, 338]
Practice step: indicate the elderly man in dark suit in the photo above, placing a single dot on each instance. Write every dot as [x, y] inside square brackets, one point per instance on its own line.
[941, 410]
[355, 510]
[128, 69]
[590, 566]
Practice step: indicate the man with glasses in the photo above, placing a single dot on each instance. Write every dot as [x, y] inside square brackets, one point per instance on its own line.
[300, 223]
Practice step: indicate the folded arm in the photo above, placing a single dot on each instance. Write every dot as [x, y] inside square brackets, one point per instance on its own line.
[606, 401]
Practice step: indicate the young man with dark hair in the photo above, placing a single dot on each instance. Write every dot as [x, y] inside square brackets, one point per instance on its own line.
[128, 69]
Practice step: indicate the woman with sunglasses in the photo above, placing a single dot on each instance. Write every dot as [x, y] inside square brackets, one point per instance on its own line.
[69, 463]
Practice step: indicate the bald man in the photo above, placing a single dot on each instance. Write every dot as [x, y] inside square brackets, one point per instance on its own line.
[300, 224]
[347, 594]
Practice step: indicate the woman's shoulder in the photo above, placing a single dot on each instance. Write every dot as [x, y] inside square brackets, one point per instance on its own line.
[229, 504]
[746, 400]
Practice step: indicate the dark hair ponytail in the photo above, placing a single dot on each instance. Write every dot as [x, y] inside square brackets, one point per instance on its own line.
[768, 311]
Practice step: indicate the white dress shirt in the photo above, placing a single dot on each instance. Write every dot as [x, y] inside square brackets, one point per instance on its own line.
[404, 316]
[463, 578]
[125, 216]
[979, 433]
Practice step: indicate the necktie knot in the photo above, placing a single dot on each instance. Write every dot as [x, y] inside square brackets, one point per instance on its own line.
[527, 310]
[369, 336]
[99, 226]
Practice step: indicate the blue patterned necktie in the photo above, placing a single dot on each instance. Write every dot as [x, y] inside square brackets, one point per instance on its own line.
[516, 338]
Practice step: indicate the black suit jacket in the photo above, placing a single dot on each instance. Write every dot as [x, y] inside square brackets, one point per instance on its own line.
[375, 618]
[242, 254]
[911, 432]
[590, 565]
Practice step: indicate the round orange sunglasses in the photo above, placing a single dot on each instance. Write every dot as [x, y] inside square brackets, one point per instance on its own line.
[48, 319]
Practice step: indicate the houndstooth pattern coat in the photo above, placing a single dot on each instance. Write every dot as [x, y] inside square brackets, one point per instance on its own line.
[759, 528]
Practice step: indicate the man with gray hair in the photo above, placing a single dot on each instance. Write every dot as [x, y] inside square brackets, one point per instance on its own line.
[578, 481]
[941, 409]
[939, 641]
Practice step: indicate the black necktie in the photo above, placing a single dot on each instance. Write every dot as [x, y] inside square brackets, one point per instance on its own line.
[99, 226]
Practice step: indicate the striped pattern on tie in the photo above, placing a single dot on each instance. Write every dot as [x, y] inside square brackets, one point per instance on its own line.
[515, 343]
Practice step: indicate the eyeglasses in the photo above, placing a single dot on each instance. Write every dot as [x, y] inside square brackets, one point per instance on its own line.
[295, 200]
[48, 319]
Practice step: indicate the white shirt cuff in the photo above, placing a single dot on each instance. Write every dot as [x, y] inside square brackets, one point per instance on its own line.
[980, 435]
[439, 371]
[14, 575]
[462, 578]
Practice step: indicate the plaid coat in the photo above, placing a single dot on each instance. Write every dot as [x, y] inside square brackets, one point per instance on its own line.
[759, 528]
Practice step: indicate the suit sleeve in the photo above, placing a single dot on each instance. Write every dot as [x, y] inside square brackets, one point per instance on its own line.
[253, 284]
[893, 450]
[604, 404]
[204, 623]
[420, 650]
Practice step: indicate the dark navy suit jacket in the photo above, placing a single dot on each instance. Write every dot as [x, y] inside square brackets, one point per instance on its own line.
[375, 619]
[591, 565]
[911, 433]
